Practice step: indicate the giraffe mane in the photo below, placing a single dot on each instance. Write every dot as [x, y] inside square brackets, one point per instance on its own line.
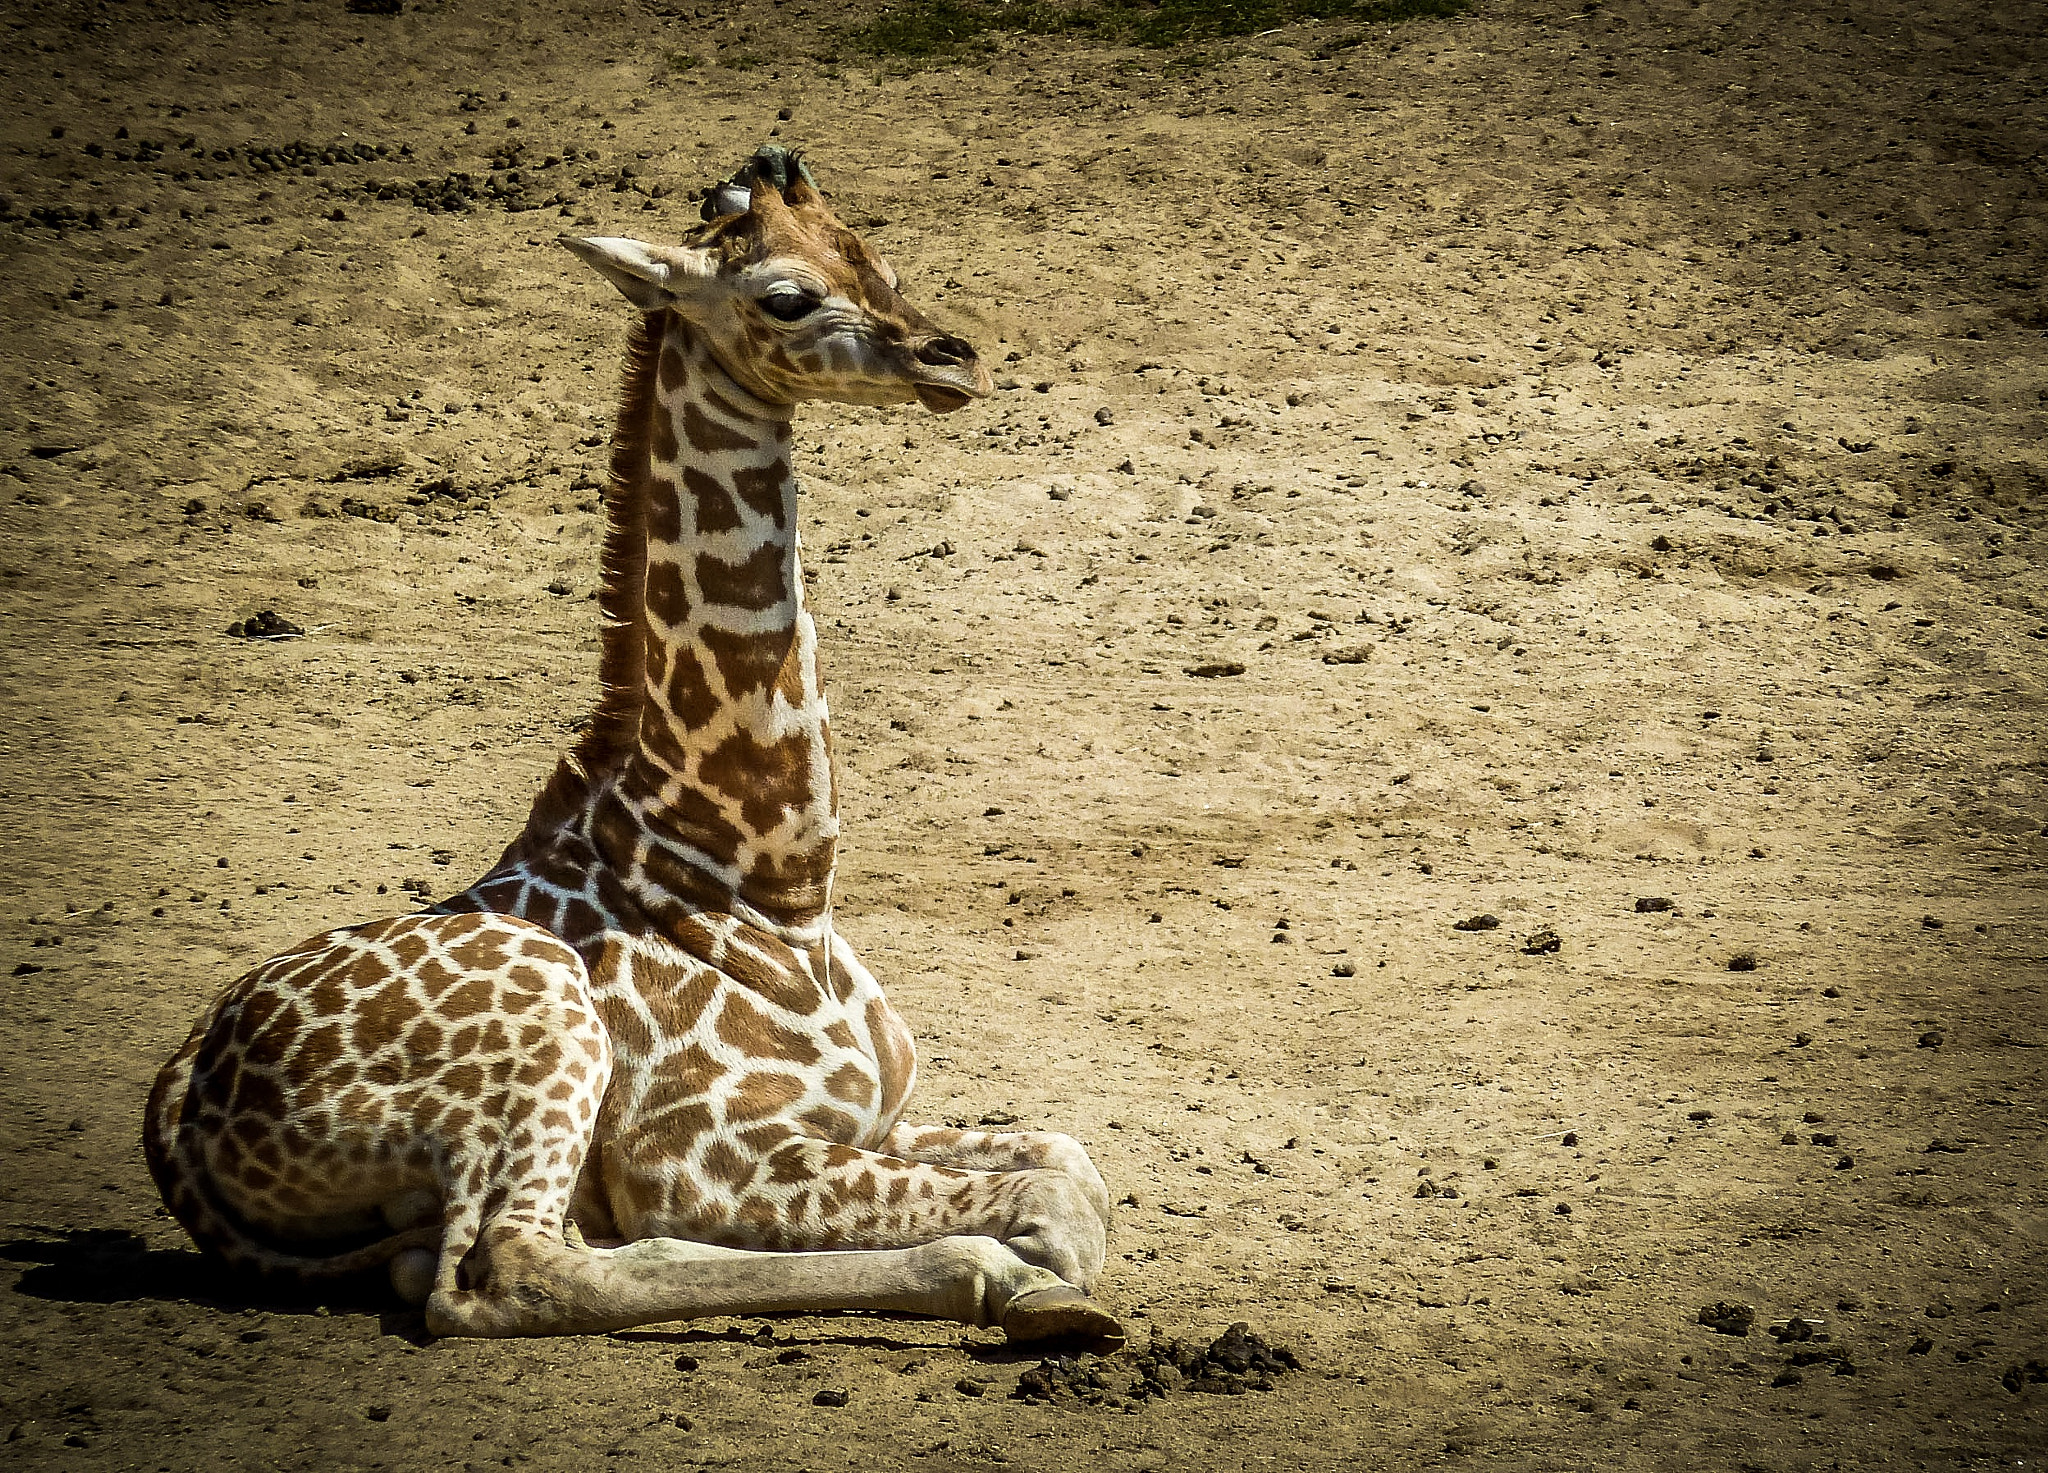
[613, 731]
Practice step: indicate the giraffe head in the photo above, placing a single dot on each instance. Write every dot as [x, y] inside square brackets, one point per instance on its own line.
[792, 303]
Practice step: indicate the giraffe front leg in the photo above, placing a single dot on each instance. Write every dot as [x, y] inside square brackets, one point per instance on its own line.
[804, 1195]
[531, 1283]
[1004, 1150]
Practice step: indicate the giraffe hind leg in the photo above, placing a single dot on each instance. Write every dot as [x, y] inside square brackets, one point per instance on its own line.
[534, 1283]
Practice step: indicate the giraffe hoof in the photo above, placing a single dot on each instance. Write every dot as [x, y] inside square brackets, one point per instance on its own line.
[1063, 1314]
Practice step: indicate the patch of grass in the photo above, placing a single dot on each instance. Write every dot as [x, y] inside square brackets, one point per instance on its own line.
[931, 29]
[920, 29]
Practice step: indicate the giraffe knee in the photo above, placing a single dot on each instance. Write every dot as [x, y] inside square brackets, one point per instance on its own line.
[412, 1274]
[1066, 1154]
[1056, 1226]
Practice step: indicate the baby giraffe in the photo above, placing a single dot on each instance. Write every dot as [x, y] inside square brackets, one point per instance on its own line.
[633, 1074]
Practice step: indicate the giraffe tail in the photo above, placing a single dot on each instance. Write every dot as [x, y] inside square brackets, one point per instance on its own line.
[171, 1146]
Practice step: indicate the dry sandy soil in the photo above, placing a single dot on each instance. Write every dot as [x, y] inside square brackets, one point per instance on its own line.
[1610, 443]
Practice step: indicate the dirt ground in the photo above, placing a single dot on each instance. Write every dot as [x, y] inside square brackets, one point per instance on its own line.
[1595, 454]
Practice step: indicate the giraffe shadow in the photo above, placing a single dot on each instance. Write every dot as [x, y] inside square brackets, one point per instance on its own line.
[803, 1333]
[116, 1266]
[788, 1333]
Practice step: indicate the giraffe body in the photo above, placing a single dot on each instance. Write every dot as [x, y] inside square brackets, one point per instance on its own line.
[633, 1073]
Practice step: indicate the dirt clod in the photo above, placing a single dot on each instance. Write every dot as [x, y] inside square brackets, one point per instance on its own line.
[1728, 1319]
[269, 624]
[1237, 1361]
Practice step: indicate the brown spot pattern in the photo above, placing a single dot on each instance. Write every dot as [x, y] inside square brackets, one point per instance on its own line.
[761, 488]
[746, 1028]
[762, 1095]
[673, 372]
[661, 444]
[664, 510]
[757, 583]
[715, 507]
[667, 599]
[746, 662]
[707, 436]
[766, 777]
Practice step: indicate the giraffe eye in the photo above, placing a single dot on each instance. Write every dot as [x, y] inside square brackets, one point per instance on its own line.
[789, 306]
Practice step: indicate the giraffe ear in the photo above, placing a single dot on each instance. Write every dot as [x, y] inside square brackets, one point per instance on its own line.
[652, 277]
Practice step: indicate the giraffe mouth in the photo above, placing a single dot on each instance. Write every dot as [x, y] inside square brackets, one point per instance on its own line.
[940, 399]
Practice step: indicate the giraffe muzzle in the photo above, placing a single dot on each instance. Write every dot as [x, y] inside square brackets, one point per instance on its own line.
[961, 378]
[942, 399]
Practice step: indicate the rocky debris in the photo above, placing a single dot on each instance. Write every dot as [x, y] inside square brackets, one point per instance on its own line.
[1728, 1319]
[457, 193]
[1933, 1038]
[369, 511]
[1652, 904]
[1215, 668]
[298, 156]
[1348, 654]
[1836, 1360]
[1742, 961]
[1237, 1361]
[1542, 943]
[1060, 1378]
[2016, 1378]
[268, 624]
[831, 1398]
[1477, 923]
[50, 217]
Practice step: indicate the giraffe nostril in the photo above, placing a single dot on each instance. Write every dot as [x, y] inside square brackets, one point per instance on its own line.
[944, 351]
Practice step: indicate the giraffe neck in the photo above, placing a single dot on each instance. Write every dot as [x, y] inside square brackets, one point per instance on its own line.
[723, 798]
